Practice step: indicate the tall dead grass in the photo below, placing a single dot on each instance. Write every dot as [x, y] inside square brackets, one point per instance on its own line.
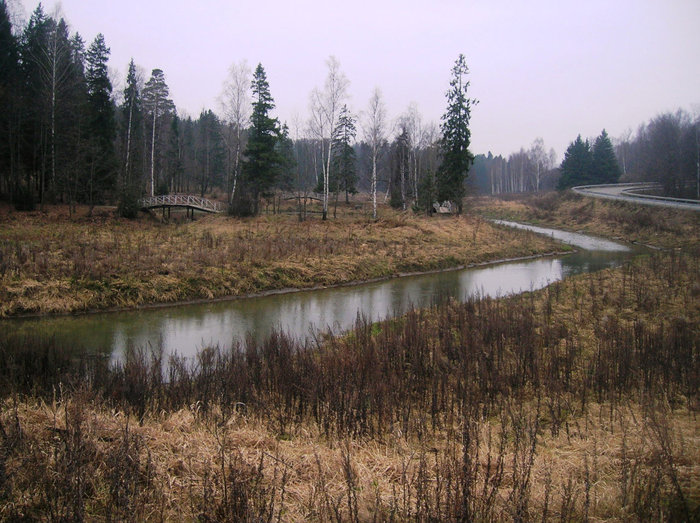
[576, 402]
[54, 266]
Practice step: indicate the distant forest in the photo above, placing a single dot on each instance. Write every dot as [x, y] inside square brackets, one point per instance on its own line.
[664, 150]
[67, 136]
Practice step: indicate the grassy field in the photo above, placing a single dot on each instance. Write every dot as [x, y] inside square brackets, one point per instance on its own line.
[575, 402]
[655, 226]
[52, 264]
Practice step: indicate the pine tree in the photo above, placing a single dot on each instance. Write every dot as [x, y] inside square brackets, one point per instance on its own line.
[132, 117]
[577, 167]
[262, 160]
[605, 166]
[456, 157]
[157, 104]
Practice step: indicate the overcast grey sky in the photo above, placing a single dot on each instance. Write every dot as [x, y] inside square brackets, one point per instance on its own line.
[549, 68]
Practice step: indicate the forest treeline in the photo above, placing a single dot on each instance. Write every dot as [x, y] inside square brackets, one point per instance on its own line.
[68, 136]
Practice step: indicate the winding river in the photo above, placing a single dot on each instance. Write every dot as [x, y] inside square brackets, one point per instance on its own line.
[187, 328]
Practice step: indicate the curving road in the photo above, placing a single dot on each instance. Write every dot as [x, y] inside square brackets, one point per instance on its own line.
[633, 192]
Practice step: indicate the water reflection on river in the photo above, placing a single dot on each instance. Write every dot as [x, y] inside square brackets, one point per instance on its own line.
[185, 329]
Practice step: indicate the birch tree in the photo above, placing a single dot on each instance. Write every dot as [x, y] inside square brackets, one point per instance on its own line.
[539, 159]
[325, 106]
[412, 122]
[374, 129]
[236, 104]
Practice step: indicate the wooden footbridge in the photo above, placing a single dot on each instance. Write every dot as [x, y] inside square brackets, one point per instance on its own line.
[187, 201]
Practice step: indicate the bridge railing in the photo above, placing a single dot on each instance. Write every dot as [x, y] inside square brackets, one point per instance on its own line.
[181, 200]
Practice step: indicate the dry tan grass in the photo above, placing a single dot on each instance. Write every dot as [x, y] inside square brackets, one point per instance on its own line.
[51, 264]
[308, 472]
[655, 226]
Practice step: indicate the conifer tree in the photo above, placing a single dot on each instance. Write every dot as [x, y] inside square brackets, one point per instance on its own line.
[209, 151]
[605, 166]
[157, 104]
[132, 143]
[9, 101]
[400, 166]
[343, 173]
[577, 167]
[132, 117]
[101, 123]
[288, 162]
[456, 136]
[262, 159]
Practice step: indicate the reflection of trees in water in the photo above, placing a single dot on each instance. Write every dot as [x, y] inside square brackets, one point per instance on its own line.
[184, 329]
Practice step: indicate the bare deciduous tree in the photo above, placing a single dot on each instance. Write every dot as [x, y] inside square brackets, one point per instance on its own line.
[236, 104]
[539, 158]
[412, 122]
[374, 128]
[325, 106]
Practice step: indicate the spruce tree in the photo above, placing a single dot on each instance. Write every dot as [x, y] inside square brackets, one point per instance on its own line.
[288, 163]
[456, 157]
[577, 167]
[605, 166]
[209, 151]
[400, 165]
[132, 145]
[343, 172]
[101, 121]
[262, 159]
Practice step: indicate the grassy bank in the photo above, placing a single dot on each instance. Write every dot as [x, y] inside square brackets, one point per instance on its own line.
[576, 402]
[657, 226]
[52, 264]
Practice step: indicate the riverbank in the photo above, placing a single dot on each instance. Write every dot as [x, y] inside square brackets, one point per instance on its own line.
[655, 227]
[53, 264]
[575, 402]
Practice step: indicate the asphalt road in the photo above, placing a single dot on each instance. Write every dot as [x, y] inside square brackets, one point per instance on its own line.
[628, 192]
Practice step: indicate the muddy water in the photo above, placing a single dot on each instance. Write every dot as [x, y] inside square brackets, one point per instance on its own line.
[185, 329]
